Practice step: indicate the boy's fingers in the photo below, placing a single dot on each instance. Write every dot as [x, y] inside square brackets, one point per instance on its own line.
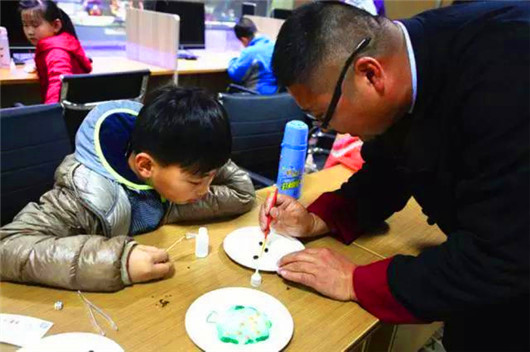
[162, 270]
[159, 256]
[149, 249]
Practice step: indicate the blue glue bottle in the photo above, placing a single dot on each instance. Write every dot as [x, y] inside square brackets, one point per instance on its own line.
[292, 159]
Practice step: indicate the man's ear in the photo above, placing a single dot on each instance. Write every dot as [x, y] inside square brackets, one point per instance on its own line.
[245, 41]
[371, 73]
[144, 165]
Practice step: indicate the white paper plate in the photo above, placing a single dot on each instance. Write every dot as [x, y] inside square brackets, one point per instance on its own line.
[74, 342]
[243, 245]
[205, 336]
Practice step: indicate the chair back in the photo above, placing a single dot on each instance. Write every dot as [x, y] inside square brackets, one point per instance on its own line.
[81, 93]
[258, 123]
[33, 143]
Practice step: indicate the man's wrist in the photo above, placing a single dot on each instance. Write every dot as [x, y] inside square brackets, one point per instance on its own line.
[318, 226]
[353, 295]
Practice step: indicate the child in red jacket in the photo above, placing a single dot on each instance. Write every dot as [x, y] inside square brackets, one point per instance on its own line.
[58, 49]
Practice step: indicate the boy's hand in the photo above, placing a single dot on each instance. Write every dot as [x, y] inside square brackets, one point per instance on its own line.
[289, 217]
[148, 263]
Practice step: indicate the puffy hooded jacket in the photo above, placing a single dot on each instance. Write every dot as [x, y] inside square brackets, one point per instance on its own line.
[58, 55]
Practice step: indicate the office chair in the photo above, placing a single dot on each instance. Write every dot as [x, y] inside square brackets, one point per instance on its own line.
[33, 142]
[236, 88]
[81, 93]
[258, 123]
[281, 14]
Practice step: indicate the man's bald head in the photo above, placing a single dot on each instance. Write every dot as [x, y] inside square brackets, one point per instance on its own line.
[325, 34]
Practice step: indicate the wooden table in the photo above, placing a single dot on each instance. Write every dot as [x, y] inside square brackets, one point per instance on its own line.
[407, 233]
[321, 324]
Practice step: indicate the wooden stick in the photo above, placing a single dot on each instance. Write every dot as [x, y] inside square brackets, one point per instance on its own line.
[175, 243]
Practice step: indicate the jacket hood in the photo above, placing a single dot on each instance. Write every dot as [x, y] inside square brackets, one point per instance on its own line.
[67, 42]
[102, 141]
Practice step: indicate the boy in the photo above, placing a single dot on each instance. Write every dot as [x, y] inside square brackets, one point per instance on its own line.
[252, 68]
[129, 175]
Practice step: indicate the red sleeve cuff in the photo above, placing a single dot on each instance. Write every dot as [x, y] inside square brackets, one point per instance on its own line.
[338, 214]
[370, 283]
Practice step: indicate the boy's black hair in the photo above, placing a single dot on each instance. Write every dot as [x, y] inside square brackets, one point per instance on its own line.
[323, 31]
[185, 127]
[245, 28]
[50, 12]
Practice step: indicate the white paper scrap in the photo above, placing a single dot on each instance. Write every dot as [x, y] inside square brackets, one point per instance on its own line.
[21, 330]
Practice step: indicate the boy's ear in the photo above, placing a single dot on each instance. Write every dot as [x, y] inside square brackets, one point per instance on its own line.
[144, 165]
[57, 25]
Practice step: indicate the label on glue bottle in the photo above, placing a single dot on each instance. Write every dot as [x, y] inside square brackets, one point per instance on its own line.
[292, 159]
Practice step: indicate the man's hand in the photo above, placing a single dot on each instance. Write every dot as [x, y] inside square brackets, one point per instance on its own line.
[327, 272]
[148, 263]
[289, 217]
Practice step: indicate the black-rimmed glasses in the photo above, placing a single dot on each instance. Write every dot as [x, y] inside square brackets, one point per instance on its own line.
[338, 88]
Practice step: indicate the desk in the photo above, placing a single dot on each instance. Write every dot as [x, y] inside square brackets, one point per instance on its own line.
[208, 71]
[408, 233]
[321, 324]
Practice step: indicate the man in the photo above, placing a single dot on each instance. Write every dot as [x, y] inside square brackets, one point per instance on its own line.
[252, 69]
[441, 101]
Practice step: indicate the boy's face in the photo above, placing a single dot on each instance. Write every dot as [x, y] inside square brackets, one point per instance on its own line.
[180, 186]
[171, 181]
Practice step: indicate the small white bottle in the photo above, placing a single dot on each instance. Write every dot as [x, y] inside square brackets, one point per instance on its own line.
[5, 58]
[201, 243]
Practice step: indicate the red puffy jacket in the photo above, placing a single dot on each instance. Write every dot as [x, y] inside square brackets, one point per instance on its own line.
[59, 55]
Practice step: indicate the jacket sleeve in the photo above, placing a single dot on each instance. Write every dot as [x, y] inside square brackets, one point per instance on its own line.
[368, 198]
[231, 193]
[238, 67]
[47, 243]
[58, 62]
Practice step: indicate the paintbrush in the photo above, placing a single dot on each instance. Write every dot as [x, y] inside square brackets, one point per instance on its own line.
[255, 279]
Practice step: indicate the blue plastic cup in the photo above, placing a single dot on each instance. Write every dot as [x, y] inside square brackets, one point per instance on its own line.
[292, 159]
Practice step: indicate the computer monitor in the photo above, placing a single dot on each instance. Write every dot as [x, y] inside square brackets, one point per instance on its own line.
[281, 13]
[191, 21]
[248, 8]
[10, 19]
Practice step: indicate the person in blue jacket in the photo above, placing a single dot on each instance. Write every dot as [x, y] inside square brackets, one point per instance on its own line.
[252, 69]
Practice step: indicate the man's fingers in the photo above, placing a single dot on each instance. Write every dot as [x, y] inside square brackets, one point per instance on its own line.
[301, 267]
[302, 278]
[300, 256]
[262, 217]
[268, 202]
